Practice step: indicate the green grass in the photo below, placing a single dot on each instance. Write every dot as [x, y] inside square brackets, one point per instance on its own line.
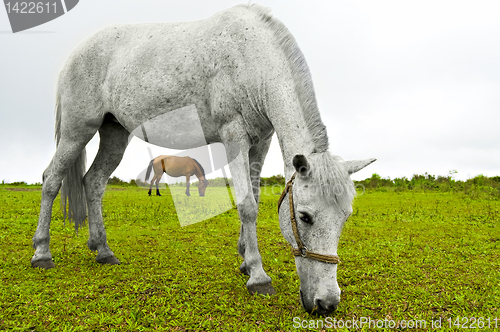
[405, 255]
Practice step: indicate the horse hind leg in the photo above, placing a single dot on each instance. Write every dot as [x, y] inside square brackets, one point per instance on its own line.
[113, 142]
[158, 178]
[69, 152]
[46, 172]
[151, 186]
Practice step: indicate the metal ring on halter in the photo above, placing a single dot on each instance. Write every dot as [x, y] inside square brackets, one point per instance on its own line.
[303, 251]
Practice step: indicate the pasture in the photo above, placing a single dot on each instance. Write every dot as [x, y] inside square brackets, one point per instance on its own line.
[405, 255]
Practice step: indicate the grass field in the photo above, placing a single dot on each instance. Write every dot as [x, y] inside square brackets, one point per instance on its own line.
[405, 256]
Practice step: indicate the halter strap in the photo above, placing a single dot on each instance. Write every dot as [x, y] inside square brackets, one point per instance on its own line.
[302, 249]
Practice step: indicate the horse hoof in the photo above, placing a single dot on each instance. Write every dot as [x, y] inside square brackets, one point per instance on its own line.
[111, 260]
[43, 264]
[264, 289]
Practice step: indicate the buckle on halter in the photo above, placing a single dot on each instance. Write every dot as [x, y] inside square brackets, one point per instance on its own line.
[303, 251]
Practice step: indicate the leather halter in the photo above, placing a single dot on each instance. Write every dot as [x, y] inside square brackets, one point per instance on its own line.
[302, 249]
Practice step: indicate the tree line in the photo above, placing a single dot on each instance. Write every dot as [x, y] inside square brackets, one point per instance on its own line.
[479, 184]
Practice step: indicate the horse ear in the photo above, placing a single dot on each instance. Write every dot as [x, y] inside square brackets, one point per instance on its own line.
[301, 165]
[355, 165]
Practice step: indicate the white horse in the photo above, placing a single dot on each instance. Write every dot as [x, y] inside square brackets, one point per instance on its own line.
[247, 78]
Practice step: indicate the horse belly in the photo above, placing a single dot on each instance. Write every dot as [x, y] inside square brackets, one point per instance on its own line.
[177, 129]
[175, 173]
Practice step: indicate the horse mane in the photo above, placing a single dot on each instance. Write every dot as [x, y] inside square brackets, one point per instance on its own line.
[327, 172]
[199, 165]
[301, 76]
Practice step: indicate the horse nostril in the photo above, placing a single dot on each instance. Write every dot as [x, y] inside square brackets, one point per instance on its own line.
[323, 308]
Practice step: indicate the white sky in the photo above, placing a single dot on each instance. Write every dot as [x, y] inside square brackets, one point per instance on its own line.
[415, 84]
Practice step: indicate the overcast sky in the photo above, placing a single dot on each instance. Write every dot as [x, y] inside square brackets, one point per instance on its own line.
[415, 84]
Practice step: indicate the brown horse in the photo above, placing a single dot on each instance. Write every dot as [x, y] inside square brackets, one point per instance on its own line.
[175, 167]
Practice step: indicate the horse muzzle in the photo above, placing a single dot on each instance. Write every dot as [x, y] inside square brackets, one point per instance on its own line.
[320, 304]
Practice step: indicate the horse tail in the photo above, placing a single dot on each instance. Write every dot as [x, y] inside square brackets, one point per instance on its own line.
[197, 163]
[73, 201]
[148, 172]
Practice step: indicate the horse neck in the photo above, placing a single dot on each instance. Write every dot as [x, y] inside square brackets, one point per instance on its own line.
[198, 172]
[293, 134]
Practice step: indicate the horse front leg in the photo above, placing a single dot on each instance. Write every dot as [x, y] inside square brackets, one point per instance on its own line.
[187, 185]
[259, 282]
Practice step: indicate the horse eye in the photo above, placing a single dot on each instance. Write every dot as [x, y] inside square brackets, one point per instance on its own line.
[305, 217]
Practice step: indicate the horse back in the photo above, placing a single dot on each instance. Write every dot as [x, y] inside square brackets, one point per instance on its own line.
[174, 166]
[223, 65]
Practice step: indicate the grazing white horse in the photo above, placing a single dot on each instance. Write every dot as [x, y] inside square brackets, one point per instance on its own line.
[247, 78]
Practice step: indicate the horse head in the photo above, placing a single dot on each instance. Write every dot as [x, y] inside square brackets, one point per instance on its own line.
[322, 193]
[202, 186]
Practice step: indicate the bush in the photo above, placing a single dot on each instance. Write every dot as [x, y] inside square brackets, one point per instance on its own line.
[273, 180]
[477, 187]
[18, 183]
[115, 181]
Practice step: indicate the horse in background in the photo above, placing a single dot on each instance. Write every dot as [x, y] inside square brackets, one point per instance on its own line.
[175, 167]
